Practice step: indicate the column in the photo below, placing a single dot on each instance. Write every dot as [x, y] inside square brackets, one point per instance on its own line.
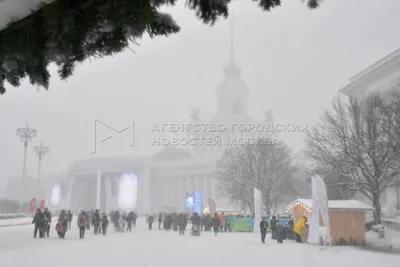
[98, 189]
[209, 186]
[172, 191]
[68, 201]
[144, 186]
[181, 195]
[184, 190]
[178, 193]
[204, 191]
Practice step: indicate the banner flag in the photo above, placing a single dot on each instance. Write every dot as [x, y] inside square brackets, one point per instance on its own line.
[32, 205]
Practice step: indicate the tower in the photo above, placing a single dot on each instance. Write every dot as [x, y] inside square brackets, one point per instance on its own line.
[232, 93]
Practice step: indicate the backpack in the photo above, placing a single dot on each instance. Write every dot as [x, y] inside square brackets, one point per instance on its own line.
[58, 227]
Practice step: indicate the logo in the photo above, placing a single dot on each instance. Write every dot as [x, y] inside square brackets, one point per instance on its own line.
[98, 123]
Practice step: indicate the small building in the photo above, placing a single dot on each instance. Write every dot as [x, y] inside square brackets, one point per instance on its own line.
[347, 219]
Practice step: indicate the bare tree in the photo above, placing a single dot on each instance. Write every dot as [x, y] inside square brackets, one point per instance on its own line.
[268, 166]
[233, 180]
[356, 145]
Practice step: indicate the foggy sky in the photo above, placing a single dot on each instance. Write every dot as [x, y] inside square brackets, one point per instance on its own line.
[294, 61]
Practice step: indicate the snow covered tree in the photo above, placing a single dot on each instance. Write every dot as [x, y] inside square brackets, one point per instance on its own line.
[235, 179]
[268, 166]
[67, 32]
[357, 146]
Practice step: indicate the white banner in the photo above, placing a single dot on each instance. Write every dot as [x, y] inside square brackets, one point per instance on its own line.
[322, 195]
[257, 210]
[313, 235]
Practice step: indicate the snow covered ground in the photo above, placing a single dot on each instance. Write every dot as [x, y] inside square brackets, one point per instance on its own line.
[167, 249]
[12, 222]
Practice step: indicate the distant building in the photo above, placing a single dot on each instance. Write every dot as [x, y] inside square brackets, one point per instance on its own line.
[381, 77]
[166, 179]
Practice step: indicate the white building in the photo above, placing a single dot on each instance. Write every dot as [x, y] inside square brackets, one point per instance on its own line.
[165, 179]
[381, 77]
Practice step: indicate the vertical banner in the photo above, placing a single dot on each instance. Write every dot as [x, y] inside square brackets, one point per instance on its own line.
[42, 205]
[197, 202]
[257, 210]
[212, 205]
[313, 235]
[322, 195]
[32, 205]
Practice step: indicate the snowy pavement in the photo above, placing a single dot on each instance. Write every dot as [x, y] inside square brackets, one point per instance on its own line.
[167, 249]
[14, 222]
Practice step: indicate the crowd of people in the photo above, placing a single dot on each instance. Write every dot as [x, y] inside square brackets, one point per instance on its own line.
[123, 222]
[280, 231]
[179, 222]
[42, 222]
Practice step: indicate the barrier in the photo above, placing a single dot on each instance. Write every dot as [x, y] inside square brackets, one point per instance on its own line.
[247, 224]
[242, 224]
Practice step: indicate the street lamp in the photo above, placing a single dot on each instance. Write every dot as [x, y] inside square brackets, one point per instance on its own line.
[26, 134]
[41, 151]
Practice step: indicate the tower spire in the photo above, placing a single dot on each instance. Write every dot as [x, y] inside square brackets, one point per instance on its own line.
[232, 69]
[232, 41]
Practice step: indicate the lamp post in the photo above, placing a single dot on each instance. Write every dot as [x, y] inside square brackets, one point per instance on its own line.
[41, 151]
[26, 134]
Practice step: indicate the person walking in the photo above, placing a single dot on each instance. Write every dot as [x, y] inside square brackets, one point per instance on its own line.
[263, 229]
[298, 229]
[216, 223]
[150, 220]
[82, 224]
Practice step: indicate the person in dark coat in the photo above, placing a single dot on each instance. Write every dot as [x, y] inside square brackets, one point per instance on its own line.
[160, 220]
[96, 218]
[69, 217]
[39, 220]
[150, 221]
[274, 229]
[280, 232]
[175, 221]
[104, 223]
[134, 219]
[216, 223]
[129, 220]
[182, 221]
[290, 231]
[62, 225]
[263, 229]
[48, 221]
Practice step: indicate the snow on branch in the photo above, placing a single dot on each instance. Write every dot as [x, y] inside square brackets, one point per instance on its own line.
[357, 145]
